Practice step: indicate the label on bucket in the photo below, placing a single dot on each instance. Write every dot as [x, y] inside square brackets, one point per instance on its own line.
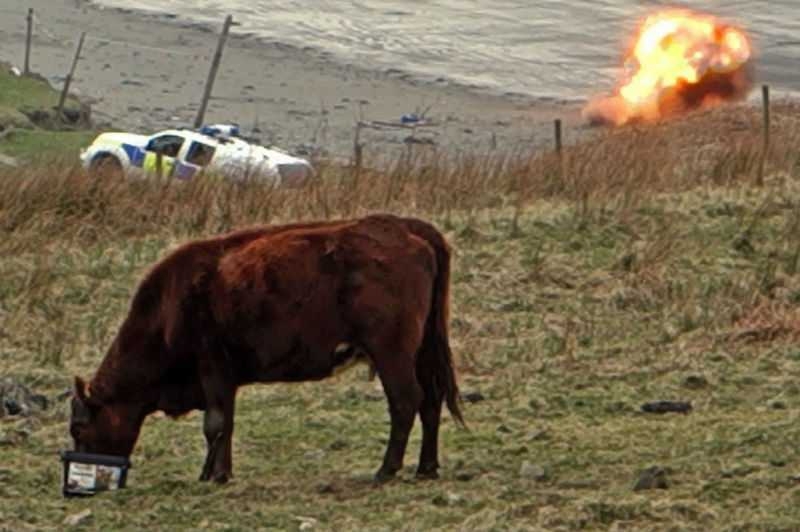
[92, 477]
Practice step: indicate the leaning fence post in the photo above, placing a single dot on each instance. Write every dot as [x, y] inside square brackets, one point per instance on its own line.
[212, 74]
[27, 69]
[357, 149]
[765, 95]
[764, 155]
[558, 135]
[159, 165]
[68, 81]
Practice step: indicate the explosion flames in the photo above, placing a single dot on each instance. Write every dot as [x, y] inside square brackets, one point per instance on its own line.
[681, 60]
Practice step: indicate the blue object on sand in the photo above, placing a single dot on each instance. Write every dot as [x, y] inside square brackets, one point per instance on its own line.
[409, 119]
[224, 130]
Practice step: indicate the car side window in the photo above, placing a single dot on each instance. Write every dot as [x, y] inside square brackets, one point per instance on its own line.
[166, 145]
[200, 154]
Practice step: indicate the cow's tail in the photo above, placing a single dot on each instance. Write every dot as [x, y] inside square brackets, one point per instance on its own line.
[435, 363]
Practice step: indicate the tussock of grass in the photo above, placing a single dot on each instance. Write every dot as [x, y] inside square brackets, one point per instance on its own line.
[644, 265]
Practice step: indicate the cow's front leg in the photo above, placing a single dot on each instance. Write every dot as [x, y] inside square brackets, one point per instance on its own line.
[217, 465]
[218, 430]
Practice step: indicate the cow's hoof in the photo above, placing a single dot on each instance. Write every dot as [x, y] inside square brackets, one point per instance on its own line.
[382, 477]
[427, 473]
[221, 478]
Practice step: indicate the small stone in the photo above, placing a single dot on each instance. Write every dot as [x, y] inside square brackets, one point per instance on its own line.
[439, 500]
[652, 478]
[473, 397]
[776, 404]
[465, 476]
[695, 382]
[538, 435]
[743, 245]
[504, 429]
[18, 400]
[374, 396]
[306, 523]
[319, 454]
[662, 407]
[326, 488]
[454, 498]
[450, 499]
[338, 445]
[78, 519]
[532, 471]
[11, 406]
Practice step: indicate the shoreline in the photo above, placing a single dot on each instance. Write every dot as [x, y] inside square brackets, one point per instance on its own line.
[145, 71]
[318, 54]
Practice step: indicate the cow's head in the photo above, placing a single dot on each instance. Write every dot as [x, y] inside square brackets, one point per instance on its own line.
[103, 427]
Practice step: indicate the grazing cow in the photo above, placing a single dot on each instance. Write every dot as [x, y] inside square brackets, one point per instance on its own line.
[280, 304]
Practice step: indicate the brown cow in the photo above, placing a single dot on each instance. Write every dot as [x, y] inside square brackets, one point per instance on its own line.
[280, 304]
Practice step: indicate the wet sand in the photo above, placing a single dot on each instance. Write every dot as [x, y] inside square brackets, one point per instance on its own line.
[145, 72]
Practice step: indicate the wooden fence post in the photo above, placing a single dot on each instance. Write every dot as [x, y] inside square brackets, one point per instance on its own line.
[558, 135]
[159, 165]
[27, 69]
[212, 75]
[358, 149]
[763, 164]
[765, 95]
[68, 81]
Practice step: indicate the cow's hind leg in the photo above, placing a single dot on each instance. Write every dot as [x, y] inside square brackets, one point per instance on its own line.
[218, 425]
[404, 395]
[430, 414]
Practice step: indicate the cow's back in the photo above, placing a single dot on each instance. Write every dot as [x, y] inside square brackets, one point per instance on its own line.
[284, 302]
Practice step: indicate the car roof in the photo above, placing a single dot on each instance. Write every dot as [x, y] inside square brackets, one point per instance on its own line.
[190, 134]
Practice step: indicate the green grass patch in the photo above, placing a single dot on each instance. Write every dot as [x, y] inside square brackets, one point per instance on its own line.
[21, 96]
[17, 92]
[37, 144]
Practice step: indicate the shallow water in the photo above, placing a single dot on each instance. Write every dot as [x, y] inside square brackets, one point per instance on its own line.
[560, 48]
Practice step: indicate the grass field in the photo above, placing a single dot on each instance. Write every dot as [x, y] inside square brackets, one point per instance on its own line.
[655, 262]
[22, 97]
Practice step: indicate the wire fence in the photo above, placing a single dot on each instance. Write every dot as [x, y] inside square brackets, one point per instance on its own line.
[47, 34]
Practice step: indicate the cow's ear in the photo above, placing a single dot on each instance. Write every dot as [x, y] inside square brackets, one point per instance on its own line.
[82, 391]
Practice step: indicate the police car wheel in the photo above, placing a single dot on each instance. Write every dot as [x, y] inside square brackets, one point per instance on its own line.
[106, 166]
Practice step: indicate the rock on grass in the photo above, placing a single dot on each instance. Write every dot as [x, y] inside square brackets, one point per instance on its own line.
[17, 400]
[652, 478]
[533, 471]
[78, 519]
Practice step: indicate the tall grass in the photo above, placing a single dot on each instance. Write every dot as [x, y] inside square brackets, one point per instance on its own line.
[614, 171]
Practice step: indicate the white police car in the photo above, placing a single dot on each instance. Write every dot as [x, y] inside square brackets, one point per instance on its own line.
[184, 154]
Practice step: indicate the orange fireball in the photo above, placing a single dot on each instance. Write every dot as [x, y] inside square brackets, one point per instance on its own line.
[683, 55]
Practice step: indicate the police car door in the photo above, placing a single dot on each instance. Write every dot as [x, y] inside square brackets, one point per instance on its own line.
[194, 159]
[168, 146]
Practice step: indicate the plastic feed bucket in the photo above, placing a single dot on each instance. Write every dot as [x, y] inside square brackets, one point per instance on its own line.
[87, 474]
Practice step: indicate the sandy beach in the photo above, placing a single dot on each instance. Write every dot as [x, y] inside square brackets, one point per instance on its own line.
[144, 72]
